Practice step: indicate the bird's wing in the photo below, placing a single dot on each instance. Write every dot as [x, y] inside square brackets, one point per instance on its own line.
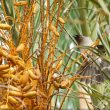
[97, 74]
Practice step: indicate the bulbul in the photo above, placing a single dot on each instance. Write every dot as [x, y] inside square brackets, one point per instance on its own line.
[90, 68]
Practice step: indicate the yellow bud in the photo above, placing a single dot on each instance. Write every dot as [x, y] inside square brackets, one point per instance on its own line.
[15, 93]
[52, 28]
[2, 67]
[30, 94]
[32, 75]
[20, 3]
[12, 100]
[25, 77]
[65, 84]
[57, 33]
[14, 88]
[4, 107]
[61, 20]
[26, 88]
[20, 47]
[5, 26]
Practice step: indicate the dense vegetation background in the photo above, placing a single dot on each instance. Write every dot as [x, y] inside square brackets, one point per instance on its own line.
[39, 57]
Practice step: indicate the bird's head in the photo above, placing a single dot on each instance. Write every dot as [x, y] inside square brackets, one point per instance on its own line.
[83, 40]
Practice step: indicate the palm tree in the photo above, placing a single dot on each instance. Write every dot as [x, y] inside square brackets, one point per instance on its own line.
[39, 56]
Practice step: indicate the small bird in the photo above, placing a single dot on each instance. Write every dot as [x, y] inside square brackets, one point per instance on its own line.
[96, 70]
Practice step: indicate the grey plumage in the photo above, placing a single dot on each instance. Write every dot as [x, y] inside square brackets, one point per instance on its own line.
[90, 68]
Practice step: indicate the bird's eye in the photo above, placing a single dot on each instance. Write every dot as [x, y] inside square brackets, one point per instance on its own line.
[78, 38]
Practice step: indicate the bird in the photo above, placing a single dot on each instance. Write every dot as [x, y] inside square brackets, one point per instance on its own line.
[98, 71]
